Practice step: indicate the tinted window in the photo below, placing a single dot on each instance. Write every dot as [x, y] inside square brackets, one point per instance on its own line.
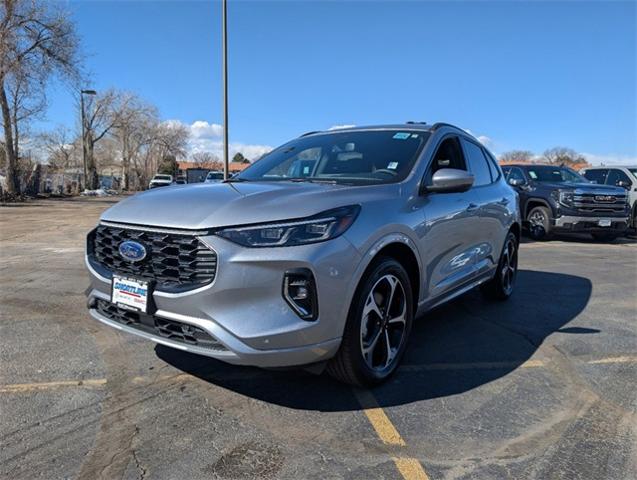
[506, 171]
[358, 157]
[597, 176]
[616, 176]
[546, 173]
[448, 155]
[516, 174]
[477, 163]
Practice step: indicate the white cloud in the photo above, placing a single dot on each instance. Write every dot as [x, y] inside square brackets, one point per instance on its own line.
[483, 139]
[203, 129]
[595, 159]
[207, 137]
[339, 127]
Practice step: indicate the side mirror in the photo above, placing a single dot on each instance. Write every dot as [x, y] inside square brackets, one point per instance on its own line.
[624, 184]
[516, 182]
[449, 180]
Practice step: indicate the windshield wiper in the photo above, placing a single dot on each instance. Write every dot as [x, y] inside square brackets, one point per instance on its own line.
[311, 180]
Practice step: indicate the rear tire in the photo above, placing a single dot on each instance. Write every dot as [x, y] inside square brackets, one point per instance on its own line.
[377, 328]
[539, 220]
[501, 286]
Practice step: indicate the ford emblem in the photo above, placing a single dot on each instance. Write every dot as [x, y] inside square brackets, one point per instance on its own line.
[132, 251]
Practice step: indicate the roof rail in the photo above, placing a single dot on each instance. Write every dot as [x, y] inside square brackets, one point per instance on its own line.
[309, 133]
[410, 122]
[438, 125]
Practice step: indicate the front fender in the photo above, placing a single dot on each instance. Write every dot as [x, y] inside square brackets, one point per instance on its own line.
[370, 253]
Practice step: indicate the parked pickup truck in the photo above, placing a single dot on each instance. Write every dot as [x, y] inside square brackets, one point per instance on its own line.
[559, 200]
[161, 180]
[619, 176]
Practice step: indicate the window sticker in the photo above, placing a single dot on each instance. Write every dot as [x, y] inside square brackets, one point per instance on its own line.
[402, 135]
[392, 165]
[414, 135]
[533, 175]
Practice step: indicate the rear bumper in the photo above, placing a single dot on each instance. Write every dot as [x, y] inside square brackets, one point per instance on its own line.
[588, 224]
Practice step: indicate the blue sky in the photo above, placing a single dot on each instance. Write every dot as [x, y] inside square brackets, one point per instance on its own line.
[524, 75]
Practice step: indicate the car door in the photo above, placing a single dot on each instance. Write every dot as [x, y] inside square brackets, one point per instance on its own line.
[449, 240]
[494, 199]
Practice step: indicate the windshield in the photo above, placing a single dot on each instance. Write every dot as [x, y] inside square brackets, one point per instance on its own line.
[358, 158]
[162, 177]
[215, 176]
[555, 175]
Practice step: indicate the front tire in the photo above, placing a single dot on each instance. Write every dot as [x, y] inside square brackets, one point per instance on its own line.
[539, 220]
[377, 328]
[501, 286]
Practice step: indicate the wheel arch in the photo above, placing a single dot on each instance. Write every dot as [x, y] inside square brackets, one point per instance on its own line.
[531, 203]
[403, 250]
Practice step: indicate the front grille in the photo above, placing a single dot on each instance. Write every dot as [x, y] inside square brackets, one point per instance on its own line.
[597, 203]
[176, 331]
[174, 260]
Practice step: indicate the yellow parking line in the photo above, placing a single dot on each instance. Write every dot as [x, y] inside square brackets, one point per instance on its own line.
[621, 359]
[27, 387]
[409, 468]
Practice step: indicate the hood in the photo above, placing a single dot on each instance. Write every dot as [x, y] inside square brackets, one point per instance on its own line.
[209, 205]
[584, 187]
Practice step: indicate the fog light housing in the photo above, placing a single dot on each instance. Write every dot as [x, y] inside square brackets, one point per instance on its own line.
[299, 291]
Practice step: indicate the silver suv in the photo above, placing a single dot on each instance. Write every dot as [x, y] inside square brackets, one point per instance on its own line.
[321, 253]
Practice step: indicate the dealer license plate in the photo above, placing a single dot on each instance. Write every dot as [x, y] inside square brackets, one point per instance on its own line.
[130, 293]
[605, 222]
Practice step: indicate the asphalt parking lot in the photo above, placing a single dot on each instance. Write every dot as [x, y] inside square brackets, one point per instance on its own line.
[540, 387]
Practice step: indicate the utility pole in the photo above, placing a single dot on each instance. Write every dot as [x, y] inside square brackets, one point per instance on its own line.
[224, 33]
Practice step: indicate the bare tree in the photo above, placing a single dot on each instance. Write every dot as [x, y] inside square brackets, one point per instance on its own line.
[204, 158]
[60, 147]
[563, 156]
[516, 156]
[134, 128]
[37, 40]
[100, 118]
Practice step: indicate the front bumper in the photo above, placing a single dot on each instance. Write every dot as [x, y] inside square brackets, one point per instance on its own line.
[244, 310]
[590, 224]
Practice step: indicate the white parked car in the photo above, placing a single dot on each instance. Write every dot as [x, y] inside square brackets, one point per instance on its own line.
[214, 177]
[161, 180]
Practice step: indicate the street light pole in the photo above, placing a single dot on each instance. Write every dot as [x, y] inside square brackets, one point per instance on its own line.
[83, 118]
[224, 34]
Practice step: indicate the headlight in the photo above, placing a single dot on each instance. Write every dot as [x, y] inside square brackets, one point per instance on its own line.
[566, 198]
[318, 228]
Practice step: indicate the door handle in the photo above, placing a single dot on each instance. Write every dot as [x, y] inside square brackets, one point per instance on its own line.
[472, 207]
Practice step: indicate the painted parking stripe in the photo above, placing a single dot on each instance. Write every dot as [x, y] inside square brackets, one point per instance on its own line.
[99, 382]
[409, 468]
[28, 387]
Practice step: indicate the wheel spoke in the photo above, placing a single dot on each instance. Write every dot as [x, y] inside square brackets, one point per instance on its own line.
[393, 281]
[370, 347]
[371, 306]
[390, 355]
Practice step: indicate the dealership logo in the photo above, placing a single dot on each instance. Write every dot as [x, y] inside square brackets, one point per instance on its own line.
[132, 251]
[604, 198]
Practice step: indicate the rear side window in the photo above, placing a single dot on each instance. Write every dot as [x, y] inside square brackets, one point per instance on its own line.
[478, 164]
[597, 176]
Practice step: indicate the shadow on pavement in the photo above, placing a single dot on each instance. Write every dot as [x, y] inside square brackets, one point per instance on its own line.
[482, 341]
